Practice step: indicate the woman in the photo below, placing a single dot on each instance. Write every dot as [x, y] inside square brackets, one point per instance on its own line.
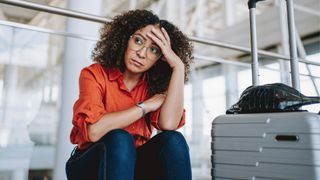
[136, 84]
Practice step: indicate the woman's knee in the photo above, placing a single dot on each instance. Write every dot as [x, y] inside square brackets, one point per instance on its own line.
[173, 141]
[119, 145]
[175, 156]
[117, 137]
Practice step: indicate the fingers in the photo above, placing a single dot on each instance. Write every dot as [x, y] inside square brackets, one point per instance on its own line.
[166, 35]
[157, 96]
[155, 102]
[157, 40]
[160, 37]
[159, 34]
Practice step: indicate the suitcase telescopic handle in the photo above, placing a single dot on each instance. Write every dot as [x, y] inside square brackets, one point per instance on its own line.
[292, 44]
[253, 39]
[252, 3]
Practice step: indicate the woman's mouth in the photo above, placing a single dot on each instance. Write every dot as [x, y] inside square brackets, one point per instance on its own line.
[137, 63]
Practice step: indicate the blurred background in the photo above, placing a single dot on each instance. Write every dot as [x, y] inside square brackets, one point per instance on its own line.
[42, 53]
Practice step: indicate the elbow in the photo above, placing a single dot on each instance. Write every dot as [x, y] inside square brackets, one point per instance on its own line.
[168, 126]
[169, 122]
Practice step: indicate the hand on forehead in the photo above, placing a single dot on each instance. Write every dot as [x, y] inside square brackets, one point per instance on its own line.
[148, 29]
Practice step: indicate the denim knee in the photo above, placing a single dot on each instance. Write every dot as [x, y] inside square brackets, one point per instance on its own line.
[119, 155]
[119, 142]
[173, 141]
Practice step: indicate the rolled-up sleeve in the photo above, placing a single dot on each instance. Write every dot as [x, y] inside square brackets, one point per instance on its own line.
[154, 119]
[89, 108]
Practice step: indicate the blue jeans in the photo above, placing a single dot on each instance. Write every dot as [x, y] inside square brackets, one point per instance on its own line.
[114, 157]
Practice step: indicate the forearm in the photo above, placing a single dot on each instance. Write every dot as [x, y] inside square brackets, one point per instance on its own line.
[114, 120]
[172, 108]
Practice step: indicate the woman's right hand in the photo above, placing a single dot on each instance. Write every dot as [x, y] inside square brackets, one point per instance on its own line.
[154, 102]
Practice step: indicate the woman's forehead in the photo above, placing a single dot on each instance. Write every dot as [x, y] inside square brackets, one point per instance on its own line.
[147, 28]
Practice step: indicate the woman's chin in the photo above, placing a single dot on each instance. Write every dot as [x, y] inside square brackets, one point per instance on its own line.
[135, 70]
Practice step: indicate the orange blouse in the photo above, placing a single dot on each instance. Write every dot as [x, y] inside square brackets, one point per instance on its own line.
[102, 91]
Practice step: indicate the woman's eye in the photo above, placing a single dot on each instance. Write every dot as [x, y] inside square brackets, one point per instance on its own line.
[138, 40]
[155, 49]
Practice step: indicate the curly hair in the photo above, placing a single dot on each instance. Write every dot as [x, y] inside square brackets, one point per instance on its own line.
[114, 36]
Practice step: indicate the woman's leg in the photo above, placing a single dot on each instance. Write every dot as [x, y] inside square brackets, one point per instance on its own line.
[113, 157]
[165, 157]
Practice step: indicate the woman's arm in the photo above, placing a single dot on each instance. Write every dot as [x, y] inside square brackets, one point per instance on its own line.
[122, 119]
[172, 108]
[110, 121]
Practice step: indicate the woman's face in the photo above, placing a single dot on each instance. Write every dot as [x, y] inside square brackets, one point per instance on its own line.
[142, 53]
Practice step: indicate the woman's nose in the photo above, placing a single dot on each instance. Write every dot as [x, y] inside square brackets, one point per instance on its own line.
[142, 52]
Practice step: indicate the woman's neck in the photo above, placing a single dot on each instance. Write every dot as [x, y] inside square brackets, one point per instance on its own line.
[131, 79]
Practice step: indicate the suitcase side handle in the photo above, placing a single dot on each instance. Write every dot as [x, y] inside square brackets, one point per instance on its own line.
[291, 138]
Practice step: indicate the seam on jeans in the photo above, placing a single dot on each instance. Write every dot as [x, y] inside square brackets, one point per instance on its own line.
[186, 155]
[105, 161]
[162, 157]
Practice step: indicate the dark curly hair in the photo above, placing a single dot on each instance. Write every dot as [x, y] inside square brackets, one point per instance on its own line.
[114, 35]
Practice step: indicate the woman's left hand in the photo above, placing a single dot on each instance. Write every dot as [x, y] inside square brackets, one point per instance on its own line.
[162, 39]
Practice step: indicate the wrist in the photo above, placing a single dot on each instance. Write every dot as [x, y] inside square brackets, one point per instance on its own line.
[179, 69]
[142, 106]
[178, 66]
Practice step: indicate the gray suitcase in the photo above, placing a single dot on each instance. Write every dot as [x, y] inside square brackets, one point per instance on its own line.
[267, 145]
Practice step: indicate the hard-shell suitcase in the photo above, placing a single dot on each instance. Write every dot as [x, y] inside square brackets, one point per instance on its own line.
[267, 145]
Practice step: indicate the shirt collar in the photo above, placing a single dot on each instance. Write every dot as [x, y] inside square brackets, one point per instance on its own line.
[115, 73]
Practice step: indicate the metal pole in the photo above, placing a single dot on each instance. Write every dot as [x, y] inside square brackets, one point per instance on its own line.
[306, 10]
[245, 49]
[222, 61]
[254, 53]
[284, 65]
[293, 47]
[235, 47]
[55, 10]
[49, 31]
[302, 53]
